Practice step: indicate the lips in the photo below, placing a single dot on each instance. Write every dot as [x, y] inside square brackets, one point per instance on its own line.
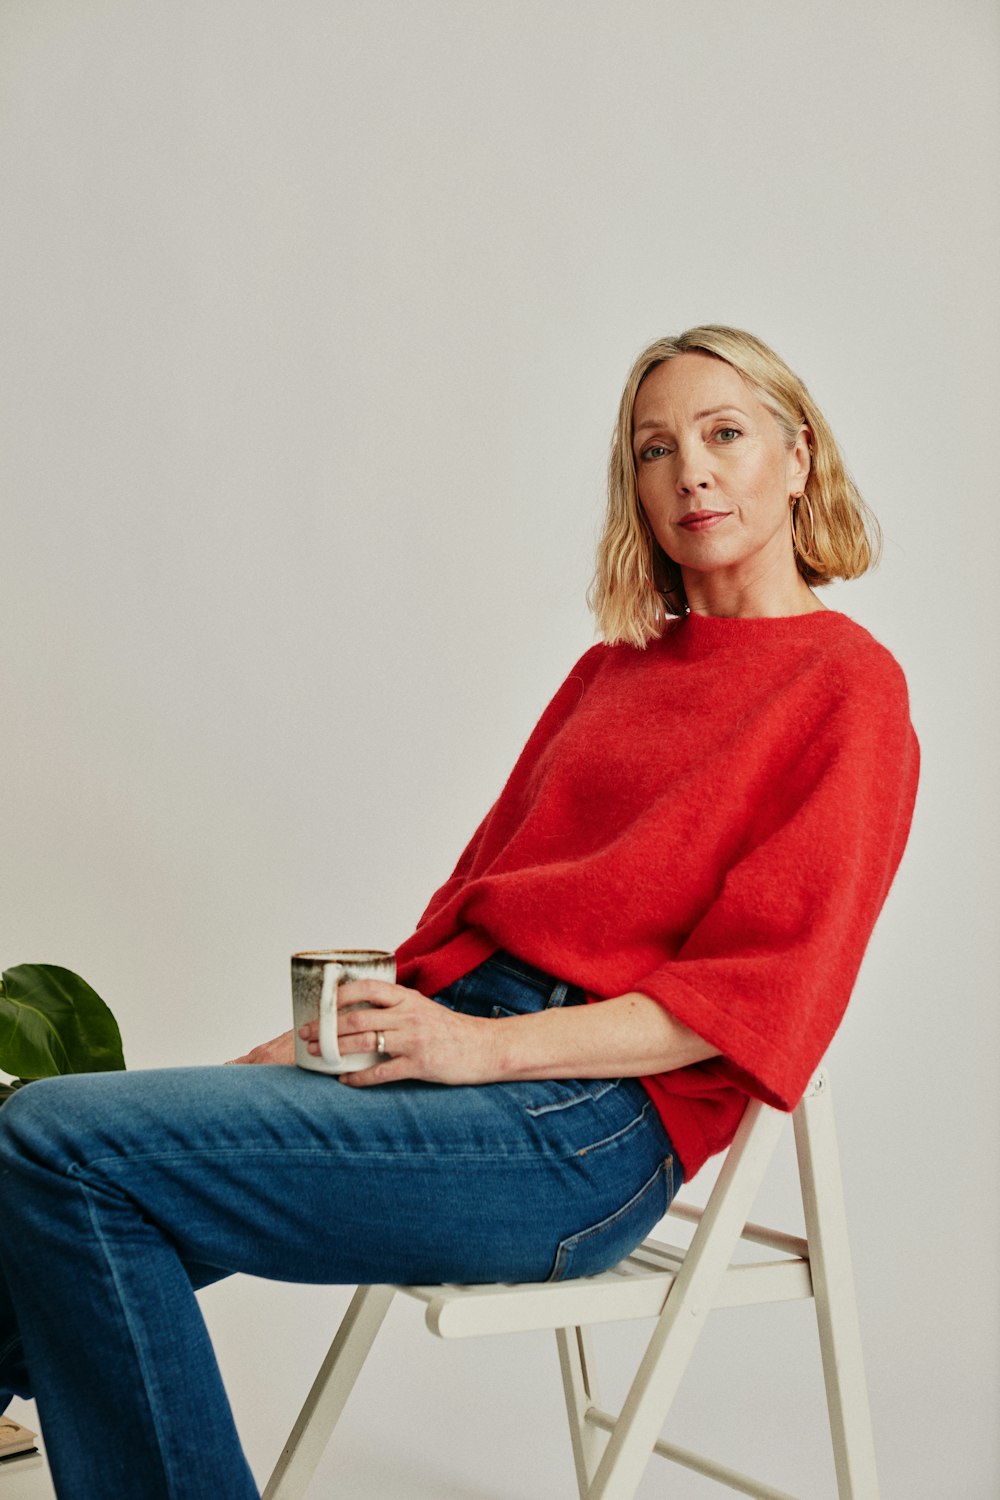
[702, 520]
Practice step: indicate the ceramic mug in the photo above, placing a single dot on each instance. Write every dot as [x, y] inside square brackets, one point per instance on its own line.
[316, 977]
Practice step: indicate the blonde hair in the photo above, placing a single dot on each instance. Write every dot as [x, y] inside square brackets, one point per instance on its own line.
[637, 589]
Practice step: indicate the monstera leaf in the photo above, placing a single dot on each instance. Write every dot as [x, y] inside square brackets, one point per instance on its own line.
[51, 1022]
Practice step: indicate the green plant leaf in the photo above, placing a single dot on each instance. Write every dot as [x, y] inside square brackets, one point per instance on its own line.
[51, 1021]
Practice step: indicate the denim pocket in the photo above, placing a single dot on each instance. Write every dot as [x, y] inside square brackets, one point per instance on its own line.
[549, 1094]
[604, 1244]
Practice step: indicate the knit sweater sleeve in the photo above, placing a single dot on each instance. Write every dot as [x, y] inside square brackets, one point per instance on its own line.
[766, 972]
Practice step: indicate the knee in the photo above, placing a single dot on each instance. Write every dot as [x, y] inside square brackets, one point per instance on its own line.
[16, 1121]
[32, 1119]
[12, 1146]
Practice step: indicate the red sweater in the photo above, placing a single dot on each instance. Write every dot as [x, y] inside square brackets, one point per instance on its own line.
[714, 822]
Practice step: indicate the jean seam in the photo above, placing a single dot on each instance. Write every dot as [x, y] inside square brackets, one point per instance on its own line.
[137, 1347]
[610, 1140]
[574, 1241]
[431, 1154]
[590, 1097]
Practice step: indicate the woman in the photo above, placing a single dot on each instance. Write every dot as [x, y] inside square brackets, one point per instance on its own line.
[698, 835]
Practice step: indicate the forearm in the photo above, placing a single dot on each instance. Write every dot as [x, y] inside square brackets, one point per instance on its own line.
[629, 1036]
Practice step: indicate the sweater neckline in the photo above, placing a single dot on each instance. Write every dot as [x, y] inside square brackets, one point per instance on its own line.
[696, 632]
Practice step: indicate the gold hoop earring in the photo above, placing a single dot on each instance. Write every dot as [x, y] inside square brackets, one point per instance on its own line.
[803, 545]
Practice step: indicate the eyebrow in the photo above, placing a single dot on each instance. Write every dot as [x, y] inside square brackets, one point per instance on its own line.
[699, 416]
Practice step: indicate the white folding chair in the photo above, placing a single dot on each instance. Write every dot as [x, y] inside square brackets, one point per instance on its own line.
[676, 1286]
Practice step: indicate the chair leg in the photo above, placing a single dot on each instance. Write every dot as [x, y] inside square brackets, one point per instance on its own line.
[833, 1287]
[687, 1306]
[330, 1390]
[576, 1361]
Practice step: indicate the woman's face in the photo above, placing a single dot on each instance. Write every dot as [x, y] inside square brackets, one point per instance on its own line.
[715, 478]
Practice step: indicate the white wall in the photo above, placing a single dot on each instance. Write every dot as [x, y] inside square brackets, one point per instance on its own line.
[315, 317]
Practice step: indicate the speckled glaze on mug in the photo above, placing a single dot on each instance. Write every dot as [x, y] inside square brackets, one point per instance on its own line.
[316, 976]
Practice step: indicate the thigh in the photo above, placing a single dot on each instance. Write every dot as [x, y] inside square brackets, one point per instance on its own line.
[287, 1174]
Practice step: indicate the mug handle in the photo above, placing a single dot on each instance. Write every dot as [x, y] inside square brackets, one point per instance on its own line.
[329, 1046]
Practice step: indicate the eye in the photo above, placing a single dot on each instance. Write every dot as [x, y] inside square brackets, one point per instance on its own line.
[728, 434]
[655, 450]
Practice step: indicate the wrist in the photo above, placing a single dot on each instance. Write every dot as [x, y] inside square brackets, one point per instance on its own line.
[489, 1056]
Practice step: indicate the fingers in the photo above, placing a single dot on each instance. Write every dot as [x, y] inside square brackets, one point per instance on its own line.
[357, 1034]
[352, 1024]
[415, 1034]
[370, 992]
[366, 1009]
[281, 1049]
[420, 1040]
[349, 1040]
[384, 1072]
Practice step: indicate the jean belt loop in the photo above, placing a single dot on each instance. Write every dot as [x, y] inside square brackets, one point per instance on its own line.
[558, 995]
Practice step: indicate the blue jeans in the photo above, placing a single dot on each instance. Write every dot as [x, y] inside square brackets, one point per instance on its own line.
[122, 1193]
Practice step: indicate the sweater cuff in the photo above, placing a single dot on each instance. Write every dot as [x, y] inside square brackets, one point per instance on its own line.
[752, 1062]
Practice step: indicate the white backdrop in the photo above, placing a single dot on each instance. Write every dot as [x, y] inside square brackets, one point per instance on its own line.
[315, 318]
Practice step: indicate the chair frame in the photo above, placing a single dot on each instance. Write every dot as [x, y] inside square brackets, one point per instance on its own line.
[677, 1287]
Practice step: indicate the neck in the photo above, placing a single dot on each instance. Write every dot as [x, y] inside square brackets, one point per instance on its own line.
[763, 597]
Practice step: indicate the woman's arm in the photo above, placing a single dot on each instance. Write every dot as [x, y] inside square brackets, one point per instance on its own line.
[629, 1036]
[626, 1037]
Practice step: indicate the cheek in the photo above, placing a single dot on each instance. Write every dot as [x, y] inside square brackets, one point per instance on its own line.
[653, 508]
[652, 485]
[644, 497]
[766, 483]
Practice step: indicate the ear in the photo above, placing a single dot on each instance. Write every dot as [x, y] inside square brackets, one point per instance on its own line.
[800, 460]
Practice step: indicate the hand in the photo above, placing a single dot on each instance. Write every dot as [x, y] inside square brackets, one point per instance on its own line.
[280, 1050]
[422, 1039]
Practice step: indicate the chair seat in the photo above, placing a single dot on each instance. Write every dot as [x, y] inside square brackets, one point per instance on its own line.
[637, 1287]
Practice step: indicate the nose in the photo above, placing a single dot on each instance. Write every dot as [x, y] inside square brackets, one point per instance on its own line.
[692, 472]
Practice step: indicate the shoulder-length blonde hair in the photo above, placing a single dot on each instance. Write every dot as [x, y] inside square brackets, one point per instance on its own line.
[637, 589]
